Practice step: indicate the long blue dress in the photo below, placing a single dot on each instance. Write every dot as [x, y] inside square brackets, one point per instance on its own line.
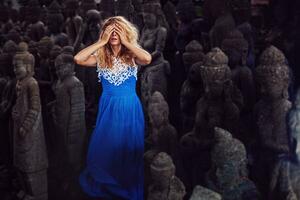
[114, 167]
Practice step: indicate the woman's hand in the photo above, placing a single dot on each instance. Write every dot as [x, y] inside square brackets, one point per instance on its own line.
[104, 37]
[121, 32]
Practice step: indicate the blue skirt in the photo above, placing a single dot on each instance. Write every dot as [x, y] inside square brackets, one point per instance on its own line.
[114, 167]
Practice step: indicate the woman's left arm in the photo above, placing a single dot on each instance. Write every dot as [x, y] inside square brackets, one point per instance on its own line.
[142, 57]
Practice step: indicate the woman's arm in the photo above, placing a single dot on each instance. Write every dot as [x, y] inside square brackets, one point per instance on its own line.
[85, 57]
[142, 56]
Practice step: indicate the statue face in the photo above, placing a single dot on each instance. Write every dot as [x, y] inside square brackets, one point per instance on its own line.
[157, 118]
[63, 70]
[150, 20]
[162, 177]
[19, 69]
[271, 90]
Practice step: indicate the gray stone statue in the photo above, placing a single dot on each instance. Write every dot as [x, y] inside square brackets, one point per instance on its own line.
[192, 88]
[69, 114]
[270, 113]
[29, 148]
[69, 120]
[219, 106]
[165, 184]
[162, 136]
[228, 174]
[54, 22]
[153, 39]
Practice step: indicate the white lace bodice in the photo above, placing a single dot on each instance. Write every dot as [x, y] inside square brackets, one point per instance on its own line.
[119, 72]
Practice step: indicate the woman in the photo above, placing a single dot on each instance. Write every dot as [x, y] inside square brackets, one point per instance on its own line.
[115, 156]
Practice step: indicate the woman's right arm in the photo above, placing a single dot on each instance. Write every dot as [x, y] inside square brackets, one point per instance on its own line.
[85, 57]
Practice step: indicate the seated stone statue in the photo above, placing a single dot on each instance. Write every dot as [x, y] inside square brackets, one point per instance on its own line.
[162, 136]
[165, 184]
[228, 174]
[29, 148]
[219, 106]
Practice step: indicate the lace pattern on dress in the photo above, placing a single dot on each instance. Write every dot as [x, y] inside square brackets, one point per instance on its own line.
[119, 72]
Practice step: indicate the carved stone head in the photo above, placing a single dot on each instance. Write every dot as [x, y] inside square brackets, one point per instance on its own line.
[64, 64]
[153, 14]
[273, 74]
[55, 17]
[228, 159]
[158, 110]
[215, 73]
[162, 169]
[6, 58]
[236, 48]
[44, 46]
[193, 53]
[23, 62]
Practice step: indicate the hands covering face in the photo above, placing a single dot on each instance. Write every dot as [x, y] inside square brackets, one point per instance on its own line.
[117, 28]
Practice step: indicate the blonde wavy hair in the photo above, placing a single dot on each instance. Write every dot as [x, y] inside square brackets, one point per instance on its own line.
[104, 54]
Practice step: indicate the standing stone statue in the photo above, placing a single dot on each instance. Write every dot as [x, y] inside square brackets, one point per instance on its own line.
[153, 39]
[73, 21]
[69, 121]
[165, 184]
[69, 110]
[54, 23]
[271, 113]
[29, 148]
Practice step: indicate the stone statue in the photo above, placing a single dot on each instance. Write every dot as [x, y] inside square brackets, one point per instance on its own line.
[153, 38]
[73, 21]
[191, 92]
[37, 28]
[270, 113]
[162, 136]
[219, 106]
[88, 34]
[193, 53]
[165, 184]
[7, 97]
[236, 48]
[69, 120]
[228, 174]
[55, 20]
[192, 87]
[219, 16]
[123, 8]
[29, 148]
